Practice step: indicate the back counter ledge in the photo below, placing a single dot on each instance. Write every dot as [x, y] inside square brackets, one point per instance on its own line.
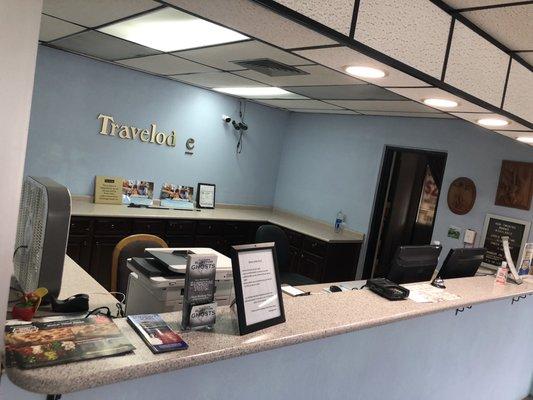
[357, 341]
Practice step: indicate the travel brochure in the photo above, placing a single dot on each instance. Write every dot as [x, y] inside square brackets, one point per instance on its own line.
[137, 192]
[42, 344]
[177, 196]
[117, 190]
[156, 333]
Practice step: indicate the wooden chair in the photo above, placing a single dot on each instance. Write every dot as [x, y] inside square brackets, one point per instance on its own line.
[131, 246]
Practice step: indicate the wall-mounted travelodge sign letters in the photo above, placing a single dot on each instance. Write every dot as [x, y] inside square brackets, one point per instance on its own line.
[111, 128]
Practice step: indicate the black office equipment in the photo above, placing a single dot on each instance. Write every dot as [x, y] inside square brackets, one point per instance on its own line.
[414, 263]
[387, 289]
[335, 288]
[460, 263]
[73, 304]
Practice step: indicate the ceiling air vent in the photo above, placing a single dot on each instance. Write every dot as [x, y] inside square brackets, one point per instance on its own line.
[270, 67]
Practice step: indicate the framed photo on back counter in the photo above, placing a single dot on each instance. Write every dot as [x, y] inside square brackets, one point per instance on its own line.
[491, 239]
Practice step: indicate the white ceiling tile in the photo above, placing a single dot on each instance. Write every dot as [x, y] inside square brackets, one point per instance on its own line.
[221, 57]
[512, 26]
[216, 79]
[92, 13]
[297, 104]
[476, 66]
[53, 28]
[340, 57]
[335, 14]
[312, 111]
[519, 94]
[420, 94]
[345, 92]
[527, 56]
[165, 64]
[459, 4]
[246, 16]
[414, 32]
[317, 75]
[407, 114]
[383, 105]
[475, 117]
[100, 45]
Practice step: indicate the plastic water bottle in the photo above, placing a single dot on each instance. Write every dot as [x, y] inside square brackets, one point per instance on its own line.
[339, 222]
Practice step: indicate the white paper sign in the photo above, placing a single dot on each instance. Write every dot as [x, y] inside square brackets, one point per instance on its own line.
[259, 287]
[206, 196]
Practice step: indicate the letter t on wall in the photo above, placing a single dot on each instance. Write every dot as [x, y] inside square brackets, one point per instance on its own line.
[105, 123]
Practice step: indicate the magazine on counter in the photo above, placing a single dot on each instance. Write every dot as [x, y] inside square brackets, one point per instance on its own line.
[156, 333]
[42, 344]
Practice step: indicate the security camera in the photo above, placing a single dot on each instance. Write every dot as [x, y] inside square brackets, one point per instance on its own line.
[243, 126]
[236, 125]
[226, 119]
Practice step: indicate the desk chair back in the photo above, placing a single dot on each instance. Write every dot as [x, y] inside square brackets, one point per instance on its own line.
[132, 246]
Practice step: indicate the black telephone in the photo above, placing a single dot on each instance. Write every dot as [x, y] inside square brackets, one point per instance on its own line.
[387, 289]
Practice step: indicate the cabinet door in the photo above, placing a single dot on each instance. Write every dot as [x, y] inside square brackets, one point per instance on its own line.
[312, 266]
[180, 241]
[79, 250]
[213, 242]
[294, 259]
[102, 251]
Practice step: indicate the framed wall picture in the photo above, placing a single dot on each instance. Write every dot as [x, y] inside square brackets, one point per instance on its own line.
[491, 239]
[257, 287]
[206, 195]
[515, 187]
[461, 195]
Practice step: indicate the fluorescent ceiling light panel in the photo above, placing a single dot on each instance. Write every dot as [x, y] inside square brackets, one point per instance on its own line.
[492, 122]
[171, 30]
[440, 103]
[253, 91]
[525, 139]
[365, 72]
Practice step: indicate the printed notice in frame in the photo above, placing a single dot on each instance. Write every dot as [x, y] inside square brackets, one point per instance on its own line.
[206, 195]
[259, 286]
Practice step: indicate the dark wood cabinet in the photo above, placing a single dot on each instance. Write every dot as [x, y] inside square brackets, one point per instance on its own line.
[101, 255]
[79, 249]
[92, 241]
[312, 266]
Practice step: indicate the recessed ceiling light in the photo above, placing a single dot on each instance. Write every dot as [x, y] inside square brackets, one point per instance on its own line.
[492, 122]
[364, 72]
[171, 30]
[525, 139]
[440, 103]
[253, 91]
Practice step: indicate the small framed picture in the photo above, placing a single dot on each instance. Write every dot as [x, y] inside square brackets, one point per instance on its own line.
[206, 195]
[258, 294]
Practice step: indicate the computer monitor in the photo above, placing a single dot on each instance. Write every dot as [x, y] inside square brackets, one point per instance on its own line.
[414, 263]
[462, 263]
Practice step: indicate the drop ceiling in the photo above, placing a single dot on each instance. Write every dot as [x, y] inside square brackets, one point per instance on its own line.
[88, 28]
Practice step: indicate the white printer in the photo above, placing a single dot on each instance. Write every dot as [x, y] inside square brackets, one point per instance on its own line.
[151, 291]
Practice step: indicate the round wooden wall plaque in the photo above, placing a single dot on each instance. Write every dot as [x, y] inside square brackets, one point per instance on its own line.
[461, 195]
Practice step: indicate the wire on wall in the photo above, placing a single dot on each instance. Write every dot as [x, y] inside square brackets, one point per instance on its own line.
[242, 113]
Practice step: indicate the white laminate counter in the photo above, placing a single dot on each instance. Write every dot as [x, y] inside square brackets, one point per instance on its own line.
[307, 226]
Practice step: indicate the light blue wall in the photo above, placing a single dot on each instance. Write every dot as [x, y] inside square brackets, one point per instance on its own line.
[331, 163]
[64, 141]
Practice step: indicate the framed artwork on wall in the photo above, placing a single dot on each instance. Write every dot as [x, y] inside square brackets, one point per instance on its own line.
[461, 195]
[515, 187]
